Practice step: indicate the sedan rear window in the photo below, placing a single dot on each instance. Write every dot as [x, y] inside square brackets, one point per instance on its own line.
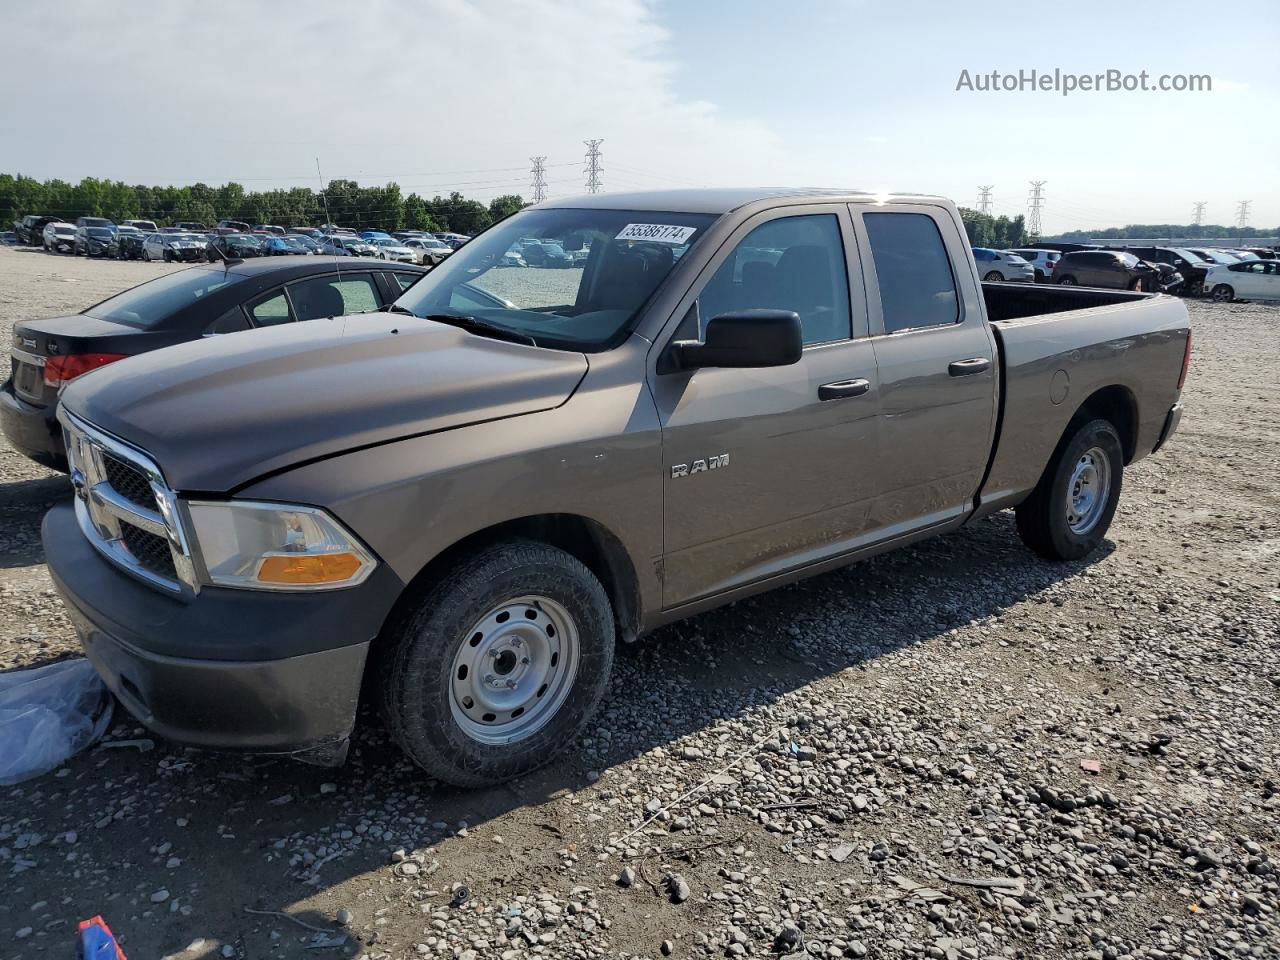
[149, 304]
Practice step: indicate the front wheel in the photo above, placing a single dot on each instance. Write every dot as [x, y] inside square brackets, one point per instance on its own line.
[499, 665]
[1070, 510]
[1223, 293]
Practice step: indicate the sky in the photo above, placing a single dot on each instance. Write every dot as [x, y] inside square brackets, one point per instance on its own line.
[443, 95]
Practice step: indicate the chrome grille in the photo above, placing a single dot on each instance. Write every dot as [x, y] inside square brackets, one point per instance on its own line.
[125, 508]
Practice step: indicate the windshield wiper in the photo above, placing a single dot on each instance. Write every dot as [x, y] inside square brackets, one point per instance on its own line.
[481, 327]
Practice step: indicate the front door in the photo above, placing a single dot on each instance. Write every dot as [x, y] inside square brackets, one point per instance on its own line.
[770, 468]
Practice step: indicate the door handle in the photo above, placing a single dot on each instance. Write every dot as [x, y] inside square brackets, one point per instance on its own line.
[967, 368]
[843, 389]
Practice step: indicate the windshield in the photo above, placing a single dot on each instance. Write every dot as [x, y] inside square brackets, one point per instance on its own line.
[571, 303]
[100, 232]
[148, 304]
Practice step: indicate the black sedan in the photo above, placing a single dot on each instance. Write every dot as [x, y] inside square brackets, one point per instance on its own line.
[235, 246]
[175, 308]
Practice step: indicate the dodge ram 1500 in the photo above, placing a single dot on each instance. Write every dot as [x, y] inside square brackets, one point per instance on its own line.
[461, 503]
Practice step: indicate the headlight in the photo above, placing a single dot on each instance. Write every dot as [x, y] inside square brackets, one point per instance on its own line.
[276, 546]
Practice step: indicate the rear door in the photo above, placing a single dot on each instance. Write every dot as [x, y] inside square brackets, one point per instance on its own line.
[936, 359]
[763, 469]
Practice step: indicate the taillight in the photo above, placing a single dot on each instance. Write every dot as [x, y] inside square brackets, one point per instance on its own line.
[1186, 361]
[60, 370]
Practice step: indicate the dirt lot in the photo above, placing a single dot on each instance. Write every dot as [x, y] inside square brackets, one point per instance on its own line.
[890, 757]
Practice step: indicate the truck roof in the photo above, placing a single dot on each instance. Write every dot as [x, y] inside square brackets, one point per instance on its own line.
[716, 199]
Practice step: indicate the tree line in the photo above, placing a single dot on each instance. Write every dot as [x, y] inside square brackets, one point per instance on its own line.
[342, 201]
[1150, 231]
[998, 233]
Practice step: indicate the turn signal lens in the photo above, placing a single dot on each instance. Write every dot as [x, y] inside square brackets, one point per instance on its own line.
[301, 569]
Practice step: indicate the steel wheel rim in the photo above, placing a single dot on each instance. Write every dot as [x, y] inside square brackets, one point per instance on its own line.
[1088, 490]
[513, 670]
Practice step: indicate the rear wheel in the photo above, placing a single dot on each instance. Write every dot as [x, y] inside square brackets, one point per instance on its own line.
[1070, 510]
[1223, 293]
[1067, 281]
[499, 665]
[993, 276]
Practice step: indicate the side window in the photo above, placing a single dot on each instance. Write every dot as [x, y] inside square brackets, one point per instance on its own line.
[230, 322]
[335, 295]
[407, 280]
[917, 287]
[271, 310]
[793, 263]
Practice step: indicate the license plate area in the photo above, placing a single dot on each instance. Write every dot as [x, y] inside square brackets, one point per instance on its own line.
[28, 380]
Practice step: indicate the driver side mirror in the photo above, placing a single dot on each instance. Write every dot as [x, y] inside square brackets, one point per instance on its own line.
[747, 338]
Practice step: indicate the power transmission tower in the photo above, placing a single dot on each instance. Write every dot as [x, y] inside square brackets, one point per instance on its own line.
[1242, 213]
[1034, 204]
[539, 179]
[1198, 218]
[984, 200]
[594, 169]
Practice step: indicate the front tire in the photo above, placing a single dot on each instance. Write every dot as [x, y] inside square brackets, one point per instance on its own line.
[1069, 512]
[499, 665]
[1223, 293]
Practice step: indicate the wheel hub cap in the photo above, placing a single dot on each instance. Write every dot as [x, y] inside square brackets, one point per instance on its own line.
[513, 670]
[1087, 491]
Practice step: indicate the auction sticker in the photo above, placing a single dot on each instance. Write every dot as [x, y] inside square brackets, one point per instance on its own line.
[659, 232]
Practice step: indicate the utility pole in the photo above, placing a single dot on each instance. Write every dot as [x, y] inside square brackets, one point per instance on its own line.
[1242, 216]
[539, 178]
[984, 200]
[1034, 204]
[1198, 217]
[594, 169]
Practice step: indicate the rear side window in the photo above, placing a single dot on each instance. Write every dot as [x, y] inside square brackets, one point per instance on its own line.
[334, 296]
[271, 311]
[917, 287]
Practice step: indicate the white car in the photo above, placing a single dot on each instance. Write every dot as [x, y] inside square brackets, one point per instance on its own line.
[428, 250]
[1000, 265]
[170, 247]
[391, 249]
[1247, 280]
[59, 237]
[1042, 262]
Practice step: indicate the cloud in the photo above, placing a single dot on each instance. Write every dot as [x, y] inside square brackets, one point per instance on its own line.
[162, 92]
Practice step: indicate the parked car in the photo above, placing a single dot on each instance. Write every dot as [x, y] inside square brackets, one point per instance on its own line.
[372, 234]
[1247, 280]
[1190, 265]
[142, 226]
[1061, 246]
[129, 242]
[177, 307]
[239, 226]
[9, 237]
[544, 253]
[234, 246]
[311, 232]
[1214, 255]
[190, 226]
[1042, 262]
[1170, 280]
[96, 222]
[59, 237]
[1002, 265]
[175, 247]
[30, 229]
[1243, 254]
[1105, 268]
[454, 240]
[1263, 253]
[428, 250]
[276, 246]
[308, 245]
[268, 228]
[94, 241]
[501, 513]
[347, 246]
[390, 248]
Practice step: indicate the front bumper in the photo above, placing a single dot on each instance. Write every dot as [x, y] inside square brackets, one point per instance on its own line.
[32, 431]
[228, 669]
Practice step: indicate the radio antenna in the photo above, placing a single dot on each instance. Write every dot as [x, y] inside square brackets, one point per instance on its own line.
[324, 200]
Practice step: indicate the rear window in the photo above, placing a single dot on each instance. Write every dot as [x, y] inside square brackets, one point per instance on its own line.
[149, 304]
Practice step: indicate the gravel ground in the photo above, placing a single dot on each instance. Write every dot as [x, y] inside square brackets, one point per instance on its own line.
[953, 751]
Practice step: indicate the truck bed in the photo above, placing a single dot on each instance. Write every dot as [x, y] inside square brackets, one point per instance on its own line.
[1060, 348]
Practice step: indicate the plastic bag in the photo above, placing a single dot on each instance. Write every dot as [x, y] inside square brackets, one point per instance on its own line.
[47, 714]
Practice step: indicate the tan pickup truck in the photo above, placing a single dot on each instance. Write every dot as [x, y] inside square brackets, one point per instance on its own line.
[459, 505]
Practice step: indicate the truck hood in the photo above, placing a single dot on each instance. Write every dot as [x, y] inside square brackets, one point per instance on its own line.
[222, 411]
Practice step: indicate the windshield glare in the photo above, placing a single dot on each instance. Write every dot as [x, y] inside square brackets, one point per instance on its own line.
[148, 304]
[583, 302]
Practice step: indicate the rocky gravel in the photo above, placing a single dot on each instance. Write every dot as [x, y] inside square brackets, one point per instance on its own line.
[955, 751]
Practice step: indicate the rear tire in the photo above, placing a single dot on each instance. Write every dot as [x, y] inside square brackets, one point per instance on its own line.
[993, 276]
[1067, 281]
[478, 684]
[1223, 293]
[1069, 512]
